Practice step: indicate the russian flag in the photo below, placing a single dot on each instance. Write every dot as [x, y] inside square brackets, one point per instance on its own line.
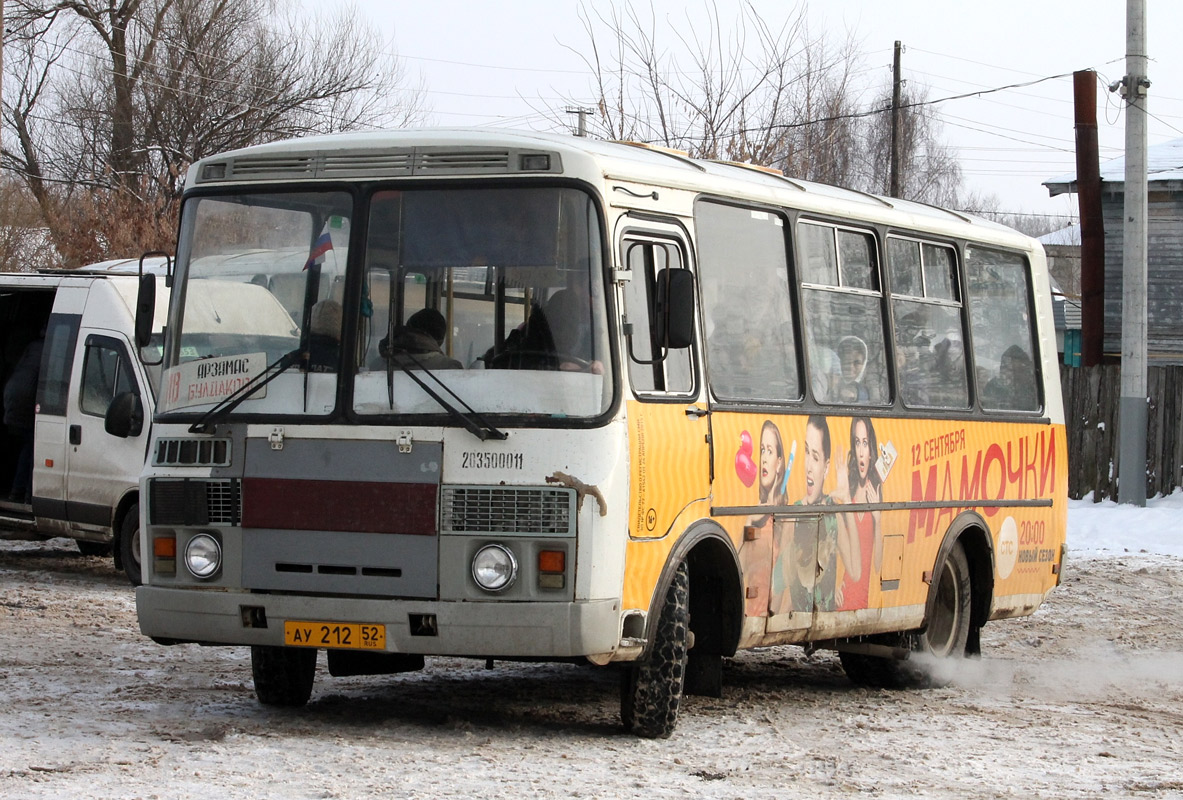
[321, 246]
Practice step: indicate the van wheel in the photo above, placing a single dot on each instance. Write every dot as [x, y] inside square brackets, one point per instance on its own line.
[283, 675]
[932, 653]
[129, 545]
[93, 548]
[651, 690]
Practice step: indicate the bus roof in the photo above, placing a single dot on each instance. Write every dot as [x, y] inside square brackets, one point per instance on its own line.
[460, 152]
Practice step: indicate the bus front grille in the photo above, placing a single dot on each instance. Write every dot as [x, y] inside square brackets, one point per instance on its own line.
[501, 509]
[194, 502]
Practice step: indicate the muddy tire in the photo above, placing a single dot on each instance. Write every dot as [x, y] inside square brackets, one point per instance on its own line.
[652, 690]
[931, 653]
[283, 675]
[129, 546]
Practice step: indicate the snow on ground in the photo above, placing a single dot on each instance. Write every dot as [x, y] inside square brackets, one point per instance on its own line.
[1082, 699]
[1108, 528]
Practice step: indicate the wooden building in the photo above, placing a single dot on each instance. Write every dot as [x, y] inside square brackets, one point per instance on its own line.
[1164, 249]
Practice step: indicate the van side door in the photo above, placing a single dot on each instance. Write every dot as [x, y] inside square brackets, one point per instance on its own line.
[53, 400]
[102, 467]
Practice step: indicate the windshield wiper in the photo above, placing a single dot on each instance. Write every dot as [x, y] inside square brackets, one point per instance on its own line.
[477, 425]
[212, 417]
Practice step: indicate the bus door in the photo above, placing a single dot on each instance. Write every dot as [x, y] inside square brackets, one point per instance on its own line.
[669, 429]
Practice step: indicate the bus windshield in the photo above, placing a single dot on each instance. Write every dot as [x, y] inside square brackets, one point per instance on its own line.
[490, 300]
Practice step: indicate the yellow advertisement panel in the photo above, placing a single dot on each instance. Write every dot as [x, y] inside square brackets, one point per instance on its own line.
[839, 513]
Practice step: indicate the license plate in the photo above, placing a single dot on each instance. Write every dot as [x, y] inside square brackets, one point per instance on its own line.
[336, 635]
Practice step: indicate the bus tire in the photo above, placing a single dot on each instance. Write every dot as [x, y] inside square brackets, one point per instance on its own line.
[283, 675]
[932, 652]
[129, 545]
[652, 689]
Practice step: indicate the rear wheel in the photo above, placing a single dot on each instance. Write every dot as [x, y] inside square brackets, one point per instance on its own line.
[283, 675]
[129, 545]
[931, 653]
[652, 690]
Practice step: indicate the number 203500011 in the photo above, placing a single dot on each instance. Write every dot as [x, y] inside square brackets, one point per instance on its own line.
[337, 635]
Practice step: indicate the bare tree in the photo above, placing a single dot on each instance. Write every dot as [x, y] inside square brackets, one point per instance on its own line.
[929, 169]
[112, 99]
[724, 96]
[746, 91]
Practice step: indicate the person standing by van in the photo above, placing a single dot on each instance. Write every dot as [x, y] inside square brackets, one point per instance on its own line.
[20, 405]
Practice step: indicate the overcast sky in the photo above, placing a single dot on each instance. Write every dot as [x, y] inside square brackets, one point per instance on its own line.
[505, 63]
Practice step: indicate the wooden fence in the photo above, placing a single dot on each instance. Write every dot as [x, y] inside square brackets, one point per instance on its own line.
[1092, 396]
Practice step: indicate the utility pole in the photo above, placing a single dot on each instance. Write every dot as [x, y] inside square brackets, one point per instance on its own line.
[1132, 413]
[582, 113]
[894, 168]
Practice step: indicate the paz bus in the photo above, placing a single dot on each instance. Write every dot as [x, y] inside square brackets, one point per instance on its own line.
[535, 397]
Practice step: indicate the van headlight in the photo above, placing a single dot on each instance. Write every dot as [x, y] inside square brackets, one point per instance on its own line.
[203, 556]
[494, 568]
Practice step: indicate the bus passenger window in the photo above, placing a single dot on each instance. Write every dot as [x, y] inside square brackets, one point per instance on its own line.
[843, 316]
[929, 342]
[751, 340]
[1001, 321]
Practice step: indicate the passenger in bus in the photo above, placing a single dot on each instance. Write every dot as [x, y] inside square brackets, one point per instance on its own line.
[860, 537]
[558, 335]
[755, 554]
[324, 336]
[1013, 388]
[804, 572]
[949, 386]
[420, 342]
[825, 373]
[569, 314]
[852, 356]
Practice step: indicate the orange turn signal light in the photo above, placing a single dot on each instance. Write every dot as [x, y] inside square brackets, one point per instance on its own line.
[552, 561]
[164, 547]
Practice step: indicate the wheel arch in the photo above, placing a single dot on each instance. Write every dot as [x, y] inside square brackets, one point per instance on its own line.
[128, 500]
[716, 614]
[972, 531]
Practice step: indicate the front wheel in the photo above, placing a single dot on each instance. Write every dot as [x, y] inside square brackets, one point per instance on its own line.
[652, 689]
[283, 675]
[932, 653]
[129, 545]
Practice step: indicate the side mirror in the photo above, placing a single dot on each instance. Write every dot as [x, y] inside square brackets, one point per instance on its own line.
[125, 416]
[145, 310]
[676, 300]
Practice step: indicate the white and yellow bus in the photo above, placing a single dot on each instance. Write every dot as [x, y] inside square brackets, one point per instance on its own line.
[534, 397]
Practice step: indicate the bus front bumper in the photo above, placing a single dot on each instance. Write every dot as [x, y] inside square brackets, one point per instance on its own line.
[483, 629]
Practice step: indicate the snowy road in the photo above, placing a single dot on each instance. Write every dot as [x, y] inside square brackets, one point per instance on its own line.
[1084, 698]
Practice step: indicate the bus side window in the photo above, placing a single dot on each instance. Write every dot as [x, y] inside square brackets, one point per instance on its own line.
[843, 315]
[929, 339]
[674, 374]
[751, 339]
[1001, 321]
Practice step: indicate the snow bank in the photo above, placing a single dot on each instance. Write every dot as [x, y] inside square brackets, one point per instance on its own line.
[1108, 528]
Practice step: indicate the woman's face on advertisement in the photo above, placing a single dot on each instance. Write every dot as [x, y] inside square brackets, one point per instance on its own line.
[862, 449]
[816, 465]
[771, 461]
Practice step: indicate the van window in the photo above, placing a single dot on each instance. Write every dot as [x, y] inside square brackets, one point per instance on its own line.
[105, 374]
[53, 389]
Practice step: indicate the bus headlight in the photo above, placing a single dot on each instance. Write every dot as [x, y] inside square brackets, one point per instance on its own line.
[494, 568]
[203, 556]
